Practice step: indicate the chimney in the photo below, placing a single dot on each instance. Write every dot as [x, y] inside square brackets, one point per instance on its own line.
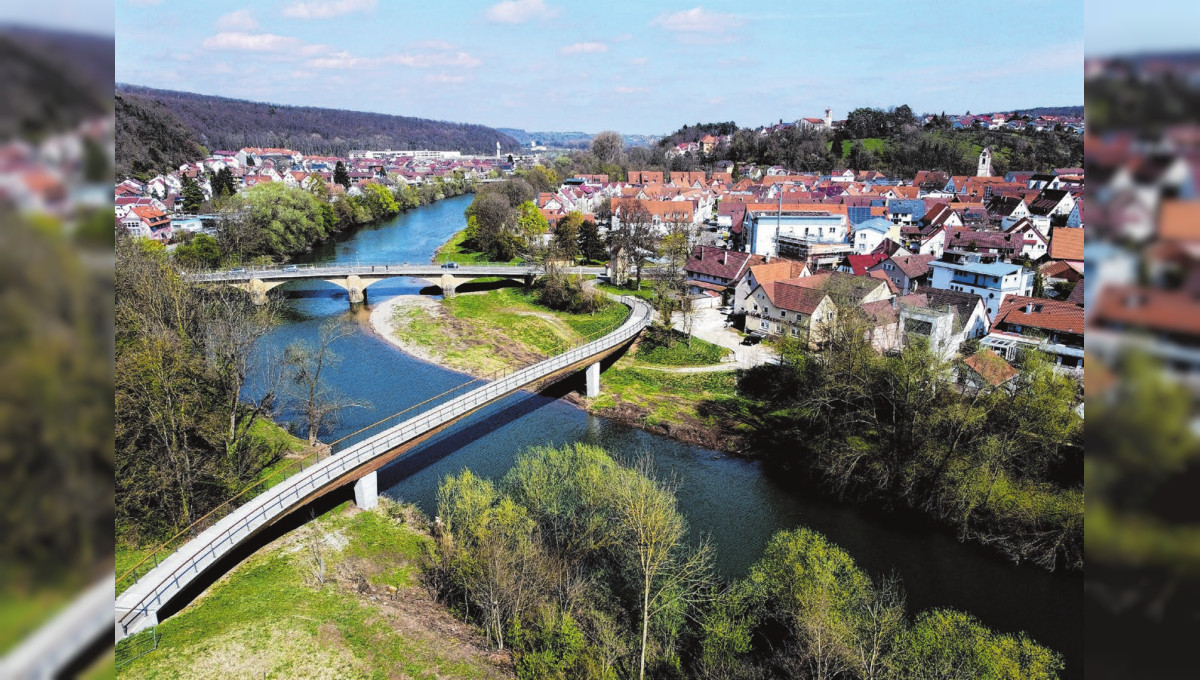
[724, 256]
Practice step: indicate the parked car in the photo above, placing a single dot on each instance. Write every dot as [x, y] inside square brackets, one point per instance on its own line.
[291, 268]
[450, 265]
[751, 339]
[238, 270]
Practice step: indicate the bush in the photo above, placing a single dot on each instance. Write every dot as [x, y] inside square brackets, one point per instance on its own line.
[565, 293]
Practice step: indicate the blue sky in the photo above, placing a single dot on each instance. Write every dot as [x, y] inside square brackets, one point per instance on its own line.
[1114, 27]
[637, 67]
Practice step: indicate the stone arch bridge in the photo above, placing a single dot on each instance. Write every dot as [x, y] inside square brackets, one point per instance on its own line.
[356, 278]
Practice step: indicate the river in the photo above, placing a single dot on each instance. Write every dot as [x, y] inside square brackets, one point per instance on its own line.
[731, 500]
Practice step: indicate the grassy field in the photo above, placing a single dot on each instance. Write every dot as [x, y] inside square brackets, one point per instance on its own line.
[646, 293]
[272, 616]
[872, 144]
[482, 333]
[668, 398]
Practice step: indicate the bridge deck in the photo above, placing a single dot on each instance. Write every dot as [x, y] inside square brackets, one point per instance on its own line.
[388, 269]
[137, 607]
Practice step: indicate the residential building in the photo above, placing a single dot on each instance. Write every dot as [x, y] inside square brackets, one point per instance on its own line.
[992, 282]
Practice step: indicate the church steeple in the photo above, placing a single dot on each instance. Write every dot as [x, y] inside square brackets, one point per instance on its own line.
[985, 163]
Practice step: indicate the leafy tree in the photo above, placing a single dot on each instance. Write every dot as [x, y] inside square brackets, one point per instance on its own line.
[201, 252]
[567, 237]
[223, 183]
[608, 146]
[943, 644]
[591, 243]
[278, 221]
[494, 226]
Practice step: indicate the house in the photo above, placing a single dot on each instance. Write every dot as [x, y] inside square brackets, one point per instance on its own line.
[1053, 203]
[945, 318]
[859, 264]
[799, 231]
[986, 370]
[941, 215]
[771, 270]
[985, 246]
[147, 222]
[1162, 323]
[1007, 209]
[907, 272]
[1034, 244]
[1052, 326]
[717, 271]
[867, 235]
[804, 307]
[992, 282]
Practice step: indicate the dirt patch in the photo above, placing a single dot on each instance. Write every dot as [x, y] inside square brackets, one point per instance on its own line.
[687, 429]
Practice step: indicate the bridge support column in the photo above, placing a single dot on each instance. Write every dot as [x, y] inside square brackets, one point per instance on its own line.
[356, 288]
[592, 374]
[448, 284]
[366, 491]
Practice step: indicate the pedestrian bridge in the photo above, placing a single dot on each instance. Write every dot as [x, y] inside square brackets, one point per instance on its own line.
[356, 277]
[137, 608]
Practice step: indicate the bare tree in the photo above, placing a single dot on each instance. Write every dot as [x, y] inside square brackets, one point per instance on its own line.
[608, 146]
[668, 571]
[319, 404]
[637, 238]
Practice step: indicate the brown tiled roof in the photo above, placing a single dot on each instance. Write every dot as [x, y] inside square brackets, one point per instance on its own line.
[725, 264]
[991, 367]
[792, 297]
[913, 265]
[881, 311]
[984, 240]
[777, 270]
[1051, 315]
[1066, 243]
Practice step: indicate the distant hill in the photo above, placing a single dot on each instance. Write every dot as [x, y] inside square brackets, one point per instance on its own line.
[570, 140]
[51, 80]
[150, 138]
[223, 123]
[1053, 111]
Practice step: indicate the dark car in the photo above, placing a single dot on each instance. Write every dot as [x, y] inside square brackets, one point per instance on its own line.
[450, 265]
[751, 339]
[238, 270]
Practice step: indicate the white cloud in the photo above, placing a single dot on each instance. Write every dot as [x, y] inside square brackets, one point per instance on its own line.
[444, 78]
[625, 89]
[584, 48]
[433, 45]
[698, 21]
[241, 20]
[638, 61]
[519, 11]
[326, 9]
[459, 59]
[251, 42]
[345, 60]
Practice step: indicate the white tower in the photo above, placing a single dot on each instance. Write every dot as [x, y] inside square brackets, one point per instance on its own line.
[497, 148]
[985, 163]
[828, 119]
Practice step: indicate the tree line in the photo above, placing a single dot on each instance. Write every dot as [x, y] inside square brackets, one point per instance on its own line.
[1002, 465]
[274, 222]
[585, 568]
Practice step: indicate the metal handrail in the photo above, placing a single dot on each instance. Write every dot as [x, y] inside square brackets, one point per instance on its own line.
[335, 466]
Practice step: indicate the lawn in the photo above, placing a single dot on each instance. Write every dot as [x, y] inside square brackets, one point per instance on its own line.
[271, 616]
[646, 293]
[678, 351]
[669, 398]
[872, 144]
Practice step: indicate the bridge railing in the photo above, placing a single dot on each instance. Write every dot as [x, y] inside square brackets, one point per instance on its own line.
[355, 267]
[262, 509]
[423, 418]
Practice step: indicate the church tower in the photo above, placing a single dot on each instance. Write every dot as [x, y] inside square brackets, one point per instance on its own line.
[985, 163]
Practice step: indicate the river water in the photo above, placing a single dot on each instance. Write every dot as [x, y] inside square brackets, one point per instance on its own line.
[731, 500]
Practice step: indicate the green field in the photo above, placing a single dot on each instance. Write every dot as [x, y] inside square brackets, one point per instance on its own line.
[454, 251]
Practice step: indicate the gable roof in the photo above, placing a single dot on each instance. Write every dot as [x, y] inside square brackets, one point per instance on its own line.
[1052, 315]
[913, 266]
[991, 367]
[777, 270]
[859, 264]
[794, 297]
[718, 262]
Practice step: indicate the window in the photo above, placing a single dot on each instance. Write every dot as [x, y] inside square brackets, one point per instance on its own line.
[782, 314]
[765, 325]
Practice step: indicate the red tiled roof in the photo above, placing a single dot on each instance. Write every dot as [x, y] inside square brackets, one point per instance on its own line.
[793, 297]
[991, 367]
[725, 264]
[859, 264]
[1179, 221]
[1138, 308]
[1066, 243]
[1051, 315]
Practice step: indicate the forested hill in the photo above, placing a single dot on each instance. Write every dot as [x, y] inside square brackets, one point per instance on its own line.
[50, 80]
[1052, 111]
[222, 123]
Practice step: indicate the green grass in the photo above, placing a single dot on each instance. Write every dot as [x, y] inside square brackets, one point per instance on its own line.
[22, 612]
[646, 293]
[667, 397]
[682, 352]
[455, 250]
[273, 434]
[266, 619]
[872, 144]
[501, 329]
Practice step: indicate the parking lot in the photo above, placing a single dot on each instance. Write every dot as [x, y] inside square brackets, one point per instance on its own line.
[709, 324]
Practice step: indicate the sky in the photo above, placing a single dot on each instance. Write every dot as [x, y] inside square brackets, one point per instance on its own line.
[636, 67]
[1115, 27]
[78, 16]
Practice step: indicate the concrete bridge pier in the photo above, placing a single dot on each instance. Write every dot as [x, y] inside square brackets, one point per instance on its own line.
[592, 373]
[258, 289]
[366, 491]
[356, 286]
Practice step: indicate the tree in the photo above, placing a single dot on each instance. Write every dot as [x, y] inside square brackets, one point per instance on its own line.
[636, 238]
[494, 226]
[591, 244]
[318, 404]
[608, 146]
[669, 574]
[531, 226]
[224, 184]
[340, 175]
[567, 237]
[1039, 283]
[193, 195]
[201, 252]
[276, 220]
[946, 645]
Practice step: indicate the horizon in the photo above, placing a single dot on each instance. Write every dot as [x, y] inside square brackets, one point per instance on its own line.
[543, 65]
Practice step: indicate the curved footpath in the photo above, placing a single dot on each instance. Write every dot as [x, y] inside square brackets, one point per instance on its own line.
[137, 608]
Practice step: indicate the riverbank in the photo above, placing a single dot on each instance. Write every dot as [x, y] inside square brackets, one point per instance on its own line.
[341, 594]
[670, 392]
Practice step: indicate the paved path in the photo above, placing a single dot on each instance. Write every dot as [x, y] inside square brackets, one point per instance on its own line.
[709, 324]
